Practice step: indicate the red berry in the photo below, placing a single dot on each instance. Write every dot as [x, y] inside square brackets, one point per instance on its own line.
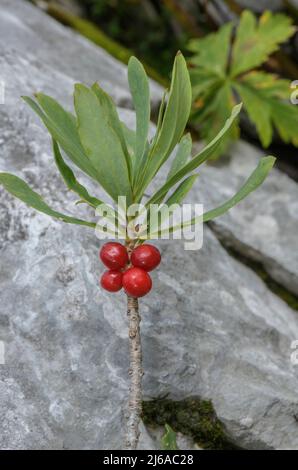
[136, 282]
[146, 257]
[114, 255]
[111, 281]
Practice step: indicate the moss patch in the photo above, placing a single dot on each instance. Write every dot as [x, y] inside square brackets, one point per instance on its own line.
[192, 417]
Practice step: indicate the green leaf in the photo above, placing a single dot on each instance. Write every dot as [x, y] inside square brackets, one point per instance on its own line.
[182, 190]
[217, 109]
[168, 440]
[261, 93]
[62, 127]
[211, 52]
[139, 88]
[175, 118]
[197, 160]
[111, 115]
[256, 41]
[183, 154]
[258, 111]
[253, 182]
[285, 120]
[71, 181]
[102, 144]
[18, 188]
[161, 113]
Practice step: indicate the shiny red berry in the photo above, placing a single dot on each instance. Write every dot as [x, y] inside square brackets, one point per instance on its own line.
[114, 255]
[111, 280]
[146, 257]
[136, 282]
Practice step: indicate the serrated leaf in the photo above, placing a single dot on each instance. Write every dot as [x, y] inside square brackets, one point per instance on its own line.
[211, 52]
[18, 188]
[285, 120]
[183, 153]
[139, 88]
[261, 95]
[197, 160]
[168, 440]
[71, 181]
[204, 84]
[255, 41]
[174, 121]
[215, 112]
[102, 144]
[62, 127]
[258, 111]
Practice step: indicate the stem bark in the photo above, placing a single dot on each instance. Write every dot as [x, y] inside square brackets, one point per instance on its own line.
[134, 408]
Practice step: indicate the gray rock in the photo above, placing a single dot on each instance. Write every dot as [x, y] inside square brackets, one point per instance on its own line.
[264, 226]
[261, 5]
[30, 39]
[211, 328]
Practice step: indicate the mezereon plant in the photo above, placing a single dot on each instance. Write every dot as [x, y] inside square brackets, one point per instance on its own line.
[124, 163]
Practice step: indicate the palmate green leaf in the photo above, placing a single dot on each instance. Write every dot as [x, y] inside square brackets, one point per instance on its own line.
[18, 188]
[211, 52]
[168, 440]
[174, 121]
[269, 84]
[62, 127]
[216, 87]
[102, 144]
[285, 120]
[261, 95]
[71, 181]
[139, 88]
[217, 109]
[183, 154]
[255, 41]
[258, 111]
[197, 160]
[253, 182]
[204, 83]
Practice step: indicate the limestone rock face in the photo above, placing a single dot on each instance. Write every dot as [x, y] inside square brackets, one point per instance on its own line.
[210, 327]
[265, 225]
[33, 45]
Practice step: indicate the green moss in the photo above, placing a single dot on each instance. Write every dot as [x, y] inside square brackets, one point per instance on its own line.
[94, 34]
[192, 417]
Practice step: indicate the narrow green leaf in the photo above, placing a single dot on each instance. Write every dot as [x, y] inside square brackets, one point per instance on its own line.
[112, 118]
[62, 127]
[197, 160]
[182, 155]
[252, 183]
[182, 190]
[175, 118]
[102, 144]
[139, 88]
[18, 188]
[70, 179]
[168, 440]
[160, 117]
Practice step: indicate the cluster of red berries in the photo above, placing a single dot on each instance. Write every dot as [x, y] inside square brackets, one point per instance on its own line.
[129, 273]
